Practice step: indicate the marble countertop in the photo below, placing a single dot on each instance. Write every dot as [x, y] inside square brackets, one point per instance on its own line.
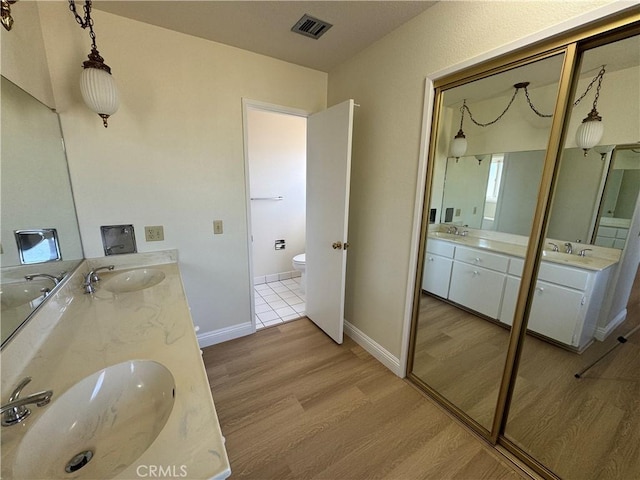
[75, 335]
[606, 256]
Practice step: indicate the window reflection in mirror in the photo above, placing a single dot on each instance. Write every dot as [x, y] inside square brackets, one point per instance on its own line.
[485, 202]
[589, 427]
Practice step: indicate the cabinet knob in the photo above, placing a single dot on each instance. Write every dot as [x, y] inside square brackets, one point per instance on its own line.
[431, 259]
[540, 289]
[476, 273]
[477, 259]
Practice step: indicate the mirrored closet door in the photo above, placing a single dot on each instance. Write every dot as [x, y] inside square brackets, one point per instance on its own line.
[529, 253]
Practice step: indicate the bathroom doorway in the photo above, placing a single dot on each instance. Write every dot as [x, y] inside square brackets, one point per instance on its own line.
[275, 160]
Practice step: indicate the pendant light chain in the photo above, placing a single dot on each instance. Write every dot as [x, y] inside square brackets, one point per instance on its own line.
[598, 78]
[543, 115]
[465, 107]
[87, 21]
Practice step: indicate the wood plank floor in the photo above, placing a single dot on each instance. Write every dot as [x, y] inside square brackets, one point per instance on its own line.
[553, 415]
[294, 405]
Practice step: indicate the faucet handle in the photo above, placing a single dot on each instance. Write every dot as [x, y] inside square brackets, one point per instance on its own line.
[583, 252]
[555, 247]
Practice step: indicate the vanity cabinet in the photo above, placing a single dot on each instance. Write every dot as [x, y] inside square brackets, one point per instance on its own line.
[477, 280]
[438, 262]
[566, 301]
[567, 298]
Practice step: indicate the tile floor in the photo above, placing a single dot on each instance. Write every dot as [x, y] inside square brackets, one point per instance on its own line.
[278, 302]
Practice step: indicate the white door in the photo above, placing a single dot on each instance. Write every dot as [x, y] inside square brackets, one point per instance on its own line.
[328, 177]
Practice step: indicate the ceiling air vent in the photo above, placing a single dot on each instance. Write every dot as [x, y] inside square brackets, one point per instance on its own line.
[311, 27]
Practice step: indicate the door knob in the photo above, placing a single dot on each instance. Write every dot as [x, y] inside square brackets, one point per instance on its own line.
[337, 245]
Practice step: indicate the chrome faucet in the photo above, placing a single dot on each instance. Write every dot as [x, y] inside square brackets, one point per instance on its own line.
[583, 252]
[16, 409]
[92, 277]
[569, 248]
[56, 279]
[555, 247]
[452, 229]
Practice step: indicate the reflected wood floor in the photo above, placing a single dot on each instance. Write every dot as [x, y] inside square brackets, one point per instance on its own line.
[582, 429]
[294, 405]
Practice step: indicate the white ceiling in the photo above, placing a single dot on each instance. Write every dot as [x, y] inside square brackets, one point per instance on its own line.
[265, 26]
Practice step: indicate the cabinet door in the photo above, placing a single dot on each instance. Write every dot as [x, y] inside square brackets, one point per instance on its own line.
[477, 288]
[555, 311]
[436, 275]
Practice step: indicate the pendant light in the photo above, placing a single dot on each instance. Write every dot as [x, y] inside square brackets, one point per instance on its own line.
[603, 150]
[97, 85]
[458, 145]
[590, 131]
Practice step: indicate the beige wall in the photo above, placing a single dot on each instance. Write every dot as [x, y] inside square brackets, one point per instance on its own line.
[388, 81]
[24, 60]
[173, 153]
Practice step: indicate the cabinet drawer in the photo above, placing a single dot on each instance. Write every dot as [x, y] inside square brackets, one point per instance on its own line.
[481, 258]
[554, 273]
[606, 232]
[439, 247]
[604, 241]
[622, 232]
[477, 288]
[561, 275]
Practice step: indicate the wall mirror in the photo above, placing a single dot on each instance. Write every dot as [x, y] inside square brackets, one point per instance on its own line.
[36, 196]
[619, 198]
[519, 294]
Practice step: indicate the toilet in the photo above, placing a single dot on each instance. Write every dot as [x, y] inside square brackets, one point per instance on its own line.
[299, 263]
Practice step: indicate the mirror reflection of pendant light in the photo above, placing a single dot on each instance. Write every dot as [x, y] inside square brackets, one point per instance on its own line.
[97, 85]
[587, 136]
[480, 158]
[458, 145]
[603, 150]
[591, 129]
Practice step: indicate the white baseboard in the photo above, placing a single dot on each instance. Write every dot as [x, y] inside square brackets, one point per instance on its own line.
[377, 351]
[214, 337]
[603, 332]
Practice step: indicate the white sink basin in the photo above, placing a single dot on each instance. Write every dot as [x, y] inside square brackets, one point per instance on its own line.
[133, 280]
[20, 293]
[115, 413]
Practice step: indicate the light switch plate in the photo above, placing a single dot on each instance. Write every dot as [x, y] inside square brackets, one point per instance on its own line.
[217, 227]
[154, 234]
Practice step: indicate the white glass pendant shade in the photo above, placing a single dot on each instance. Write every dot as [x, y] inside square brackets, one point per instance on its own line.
[458, 146]
[99, 92]
[589, 134]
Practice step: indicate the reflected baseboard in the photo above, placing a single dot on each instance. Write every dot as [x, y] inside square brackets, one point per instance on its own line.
[603, 332]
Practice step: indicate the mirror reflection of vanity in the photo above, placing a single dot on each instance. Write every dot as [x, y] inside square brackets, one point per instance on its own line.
[529, 253]
[499, 193]
[37, 203]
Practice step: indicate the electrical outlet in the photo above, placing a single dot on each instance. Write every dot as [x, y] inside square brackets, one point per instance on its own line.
[217, 227]
[154, 234]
